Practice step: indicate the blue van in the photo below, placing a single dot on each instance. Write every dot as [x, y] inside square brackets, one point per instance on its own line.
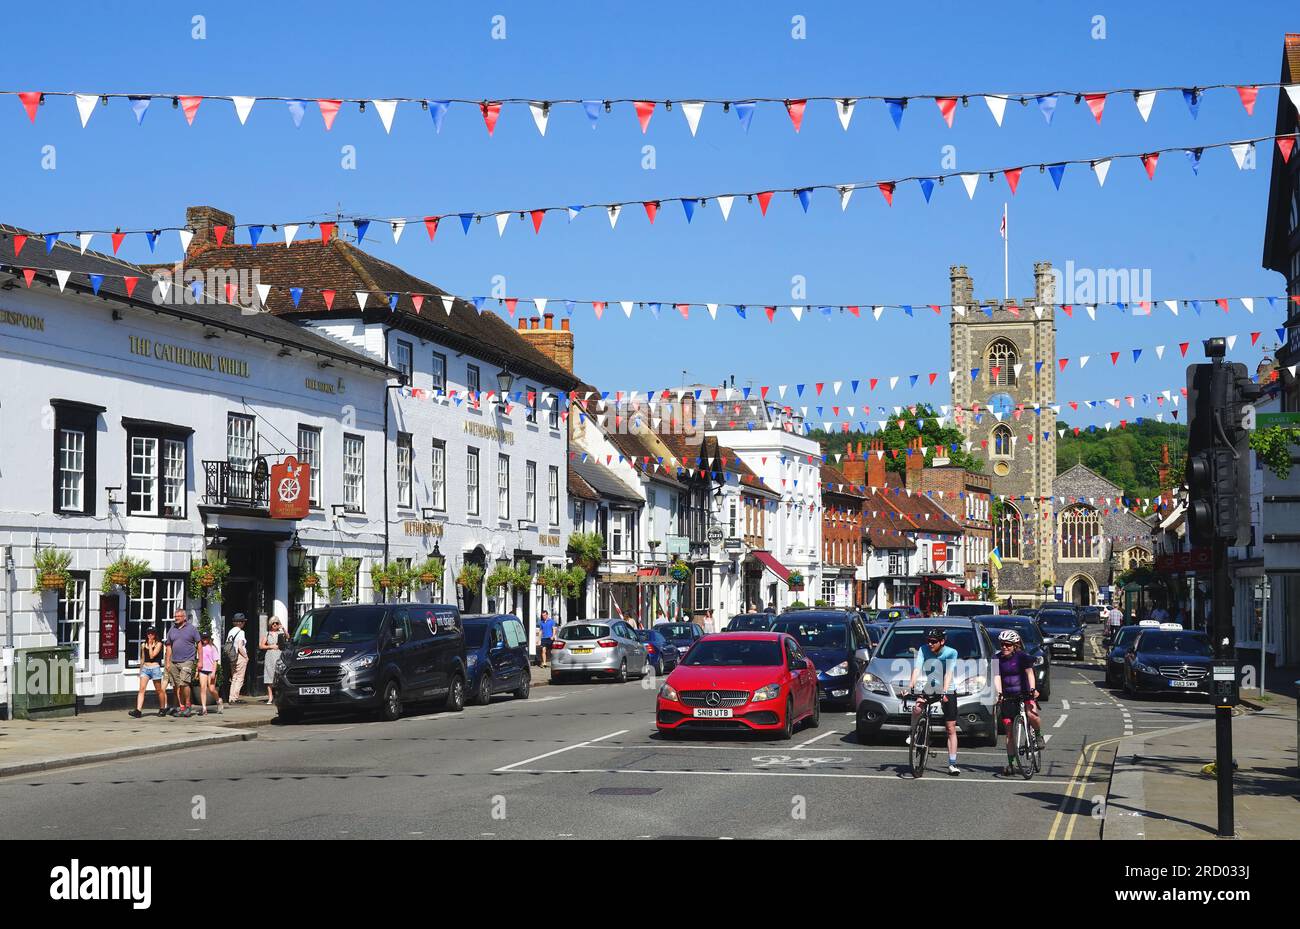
[496, 656]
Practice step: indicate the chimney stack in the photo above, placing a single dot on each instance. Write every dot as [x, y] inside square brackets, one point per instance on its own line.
[555, 344]
[854, 466]
[915, 463]
[875, 465]
[202, 220]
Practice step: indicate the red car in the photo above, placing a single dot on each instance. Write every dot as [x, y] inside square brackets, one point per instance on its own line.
[740, 681]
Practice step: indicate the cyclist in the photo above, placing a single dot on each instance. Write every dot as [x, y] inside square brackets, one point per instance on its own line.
[936, 663]
[1015, 679]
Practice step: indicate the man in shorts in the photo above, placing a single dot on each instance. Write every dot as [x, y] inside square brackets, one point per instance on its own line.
[933, 670]
[182, 647]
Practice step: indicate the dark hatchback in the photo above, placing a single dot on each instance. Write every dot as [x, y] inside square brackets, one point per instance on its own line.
[680, 636]
[1091, 615]
[374, 657]
[1033, 642]
[1063, 632]
[750, 622]
[875, 632]
[658, 653]
[1115, 655]
[1163, 661]
[496, 656]
[837, 644]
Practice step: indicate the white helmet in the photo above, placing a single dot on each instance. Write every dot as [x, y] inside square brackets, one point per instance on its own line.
[1009, 635]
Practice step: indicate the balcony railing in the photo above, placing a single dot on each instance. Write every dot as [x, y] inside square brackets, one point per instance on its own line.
[227, 485]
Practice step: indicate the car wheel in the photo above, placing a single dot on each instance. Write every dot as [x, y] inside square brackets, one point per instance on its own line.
[391, 706]
[521, 692]
[1129, 690]
[456, 695]
[483, 695]
[621, 677]
[288, 716]
[815, 719]
[787, 731]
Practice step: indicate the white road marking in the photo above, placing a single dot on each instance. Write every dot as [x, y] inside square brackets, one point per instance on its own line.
[902, 749]
[1060, 720]
[1065, 706]
[1047, 738]
[815, 739]
[869, 777]
[567, 748]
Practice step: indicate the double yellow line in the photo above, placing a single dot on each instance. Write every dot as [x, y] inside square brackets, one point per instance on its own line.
[1077, 783]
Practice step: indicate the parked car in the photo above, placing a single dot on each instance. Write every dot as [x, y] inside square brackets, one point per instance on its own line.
[1034, 645]
[1168, 661]
[970, 608]
[683, 635]
[1092, 614]
[1064, 633]
[661, 656]
[605, 647]
[379, 657]
[836, 642]
[740, 681]
[1115, 655]
[496, 656]
[750, 622]
[876, 691]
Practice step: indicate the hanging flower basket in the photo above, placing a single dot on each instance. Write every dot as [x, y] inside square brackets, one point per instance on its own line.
[207, 578]
[795, 580]
[311, 581]
[680, 571]
[126, 574]
[52, 569]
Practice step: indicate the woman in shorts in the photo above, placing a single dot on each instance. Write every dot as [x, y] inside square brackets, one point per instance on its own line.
[151, 656]
[208, 658]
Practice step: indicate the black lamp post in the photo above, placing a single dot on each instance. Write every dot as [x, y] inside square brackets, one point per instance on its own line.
[297, 555]
[505, 380]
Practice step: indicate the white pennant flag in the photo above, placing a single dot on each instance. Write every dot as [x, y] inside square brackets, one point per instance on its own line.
[502, 219]
[289, 233]
[959, 310]
[573, 214]
[893, 382]
[845, 110]
[835, 387]
[447, 301]
[1173, 306]
[1061, 431]
[1239, 152]
[1038, 312]
[692, 113]
[1249, 304]
[165, 289]
[614, 210]
[1083, 360]
[399, 226]
[361, 296]
[724, 203]
[62, 278]
[876, 311]
[540, 303]
[243, 106]
[86, 106]
[1101, 169]
[85, 238]
[781, 388]
[1160, 352]
[970, 180]
[627, 308]
[798, 312]
[952, 376]
[713, 312]
[1293, 91]
[1144, 99]
[1092, 313]
[263, 292]
[845, 194]
[1232, 340]
[541, 116]
[1017, 367]
[997, 106]
[386, 109]
[1290, 369]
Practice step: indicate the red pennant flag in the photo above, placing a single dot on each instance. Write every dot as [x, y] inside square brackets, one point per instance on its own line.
[19, 242]
[1096, 103]
[644, 110]
[490, 113]
[996, 370]
[1254, 337]
[538, 216]
[887, 188]
[328, 110]
[1285, 146]
[417, 300]
[1114, 357]
[31, 100]
[1149, 162]
[511, 303]
[933, 375]
[819, 389]
[1013, 309]
[130, 283]
[599, 307]
[763, 200]
[28, 274]
[326, 230]
[651, 208]
[1069, 310]
[1183, 391]
[230, 291]
[947, 106]
[1074, 405]
[431, 225]
[1248, 95]
[685, 310]
[1062, 362]
[328, 295]
[1076, 428]
[218, 231]
[795, 109]
[935, 307]
[771, 313]
[1123, 423]
[1223, 303]
[874, 382]
[1182, 347]
[191, 107]
[854, 311]
[1013, 178]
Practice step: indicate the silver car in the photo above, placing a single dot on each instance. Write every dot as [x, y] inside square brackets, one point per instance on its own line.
[604, 647]
[876, 692]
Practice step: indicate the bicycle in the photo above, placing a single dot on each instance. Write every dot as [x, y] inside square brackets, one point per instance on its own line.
[1027, 757]
[919, 744]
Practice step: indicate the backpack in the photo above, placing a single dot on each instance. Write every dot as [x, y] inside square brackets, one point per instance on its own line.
[229, 650]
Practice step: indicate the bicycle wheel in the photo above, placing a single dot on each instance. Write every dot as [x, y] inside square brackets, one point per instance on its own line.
[1035, 753]
[1020, 738]
[919, 750]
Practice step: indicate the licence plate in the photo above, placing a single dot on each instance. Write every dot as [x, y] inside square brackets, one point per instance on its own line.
[312, 691]
[582, 651]
[711, 713]
[1182, 683]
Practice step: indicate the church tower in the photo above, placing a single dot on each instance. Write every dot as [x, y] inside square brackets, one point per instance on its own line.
[1004, 353]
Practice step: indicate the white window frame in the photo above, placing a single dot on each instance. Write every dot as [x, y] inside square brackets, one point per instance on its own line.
[473, 503]
[439, 369]
[438, 475]
[405, 470]
[503, 486]
[143, 474]
[72, 470]
[553, 494]
[310, 453]
[530, 491]
[354, 473]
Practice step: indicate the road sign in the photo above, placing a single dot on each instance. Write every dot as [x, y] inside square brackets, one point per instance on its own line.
[1285, 420]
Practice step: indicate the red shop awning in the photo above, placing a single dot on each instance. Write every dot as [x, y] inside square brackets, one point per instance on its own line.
[955, 588]
[773, 565]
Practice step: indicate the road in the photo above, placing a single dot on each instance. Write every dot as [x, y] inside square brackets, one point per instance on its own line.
[582, 761]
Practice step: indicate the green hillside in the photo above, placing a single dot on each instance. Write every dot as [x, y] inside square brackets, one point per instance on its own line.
[1129, 457]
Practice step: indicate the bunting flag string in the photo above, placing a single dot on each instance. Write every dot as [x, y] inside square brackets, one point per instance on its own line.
[692, 108]
[803, 195]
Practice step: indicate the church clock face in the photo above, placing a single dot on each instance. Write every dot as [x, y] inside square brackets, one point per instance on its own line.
[1001, 404]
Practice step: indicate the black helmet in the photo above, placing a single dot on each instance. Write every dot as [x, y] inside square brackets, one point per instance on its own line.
[936, 633]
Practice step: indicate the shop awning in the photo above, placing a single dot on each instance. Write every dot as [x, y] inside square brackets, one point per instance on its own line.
[772, 564]
[955, 588]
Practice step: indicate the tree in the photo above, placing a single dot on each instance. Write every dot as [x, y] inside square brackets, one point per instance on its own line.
[1130, 456]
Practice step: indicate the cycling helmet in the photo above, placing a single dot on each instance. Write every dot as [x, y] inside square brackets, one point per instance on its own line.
[936, 633]
[1009, 635]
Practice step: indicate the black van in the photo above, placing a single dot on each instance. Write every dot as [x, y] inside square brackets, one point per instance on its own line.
[373, 657]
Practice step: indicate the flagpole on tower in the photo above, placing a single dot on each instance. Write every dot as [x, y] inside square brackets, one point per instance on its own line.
[1006, 261]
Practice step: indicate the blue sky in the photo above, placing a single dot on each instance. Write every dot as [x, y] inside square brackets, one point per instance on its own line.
[1198, 235]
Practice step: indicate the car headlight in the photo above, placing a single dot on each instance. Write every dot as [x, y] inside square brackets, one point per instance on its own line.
[667, 692]
[1144, 668]
[1038, 662]
[361, 662]
[972, 684]
[471, 660]
[874, 684]
[839, 670]
[770, 692]
[1076, 638]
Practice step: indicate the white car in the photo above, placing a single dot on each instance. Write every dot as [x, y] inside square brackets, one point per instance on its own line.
[969, 608]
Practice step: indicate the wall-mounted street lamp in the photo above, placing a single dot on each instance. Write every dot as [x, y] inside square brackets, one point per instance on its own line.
[505, 381]
[297, 554]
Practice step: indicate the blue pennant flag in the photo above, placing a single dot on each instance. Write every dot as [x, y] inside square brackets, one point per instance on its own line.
[688, 207]
[1272, 302]
[974, 374]
[568, 307]
[799, 389]
[1193, 99]
[988, 310]
[821, 411]
[805, 197]
[49, 242]
[438, 109]
[745, 112]
[95, 281]
[139, 105]
[1047, 105]
[654, 310]
[745, 392]
[927, 187]
[1281, 335]
[1196, 305]
[1122, 307]
[572, 210]
[1137, 353]
[255, 234]
[740, 311]
[1047, 436]
[361, 225]
[1194, 157]
[1038, 367]
[196, 288]
[896, 105]
[826, 311]
[854, 386]
[465, 220]
[297, 108]
[152, 239]
[478, 304]
[907, 308]
[913, 378]
[1057, 171]
[593, 111]
[296, 294]
[697, 394]
[392, 301]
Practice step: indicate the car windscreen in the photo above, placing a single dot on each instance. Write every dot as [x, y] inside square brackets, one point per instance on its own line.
[969, 609]
[674, 630]
[1180, 643]
[351, 624]
[815, 633]
[648, 635]
[581, 631]
[902, 642]
[474, 634]
[1059, 622]
[743, 653]
[752, 622]
[1028, 631]
[1126, 635]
